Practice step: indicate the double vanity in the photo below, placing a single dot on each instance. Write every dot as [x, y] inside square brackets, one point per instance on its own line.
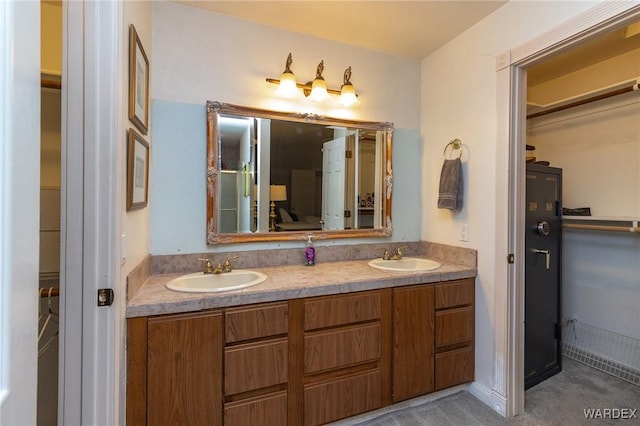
[306, 345]
[268, 341]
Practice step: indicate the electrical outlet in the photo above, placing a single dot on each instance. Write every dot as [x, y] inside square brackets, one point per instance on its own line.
[464, 232]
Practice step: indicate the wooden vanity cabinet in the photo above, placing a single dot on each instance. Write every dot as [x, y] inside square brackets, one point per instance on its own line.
[300, 362]
[454, 333]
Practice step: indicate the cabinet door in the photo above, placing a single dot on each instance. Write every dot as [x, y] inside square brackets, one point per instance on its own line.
[413, 341]
[185, 370]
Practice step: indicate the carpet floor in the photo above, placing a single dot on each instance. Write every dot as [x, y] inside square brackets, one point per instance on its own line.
[559, 400]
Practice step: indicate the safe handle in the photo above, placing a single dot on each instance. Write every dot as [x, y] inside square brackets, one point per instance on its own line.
[547, 256]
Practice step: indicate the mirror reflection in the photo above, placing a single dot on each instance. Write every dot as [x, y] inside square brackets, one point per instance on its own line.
[278, 176]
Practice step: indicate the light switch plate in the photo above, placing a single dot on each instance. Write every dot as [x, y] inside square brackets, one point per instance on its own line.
[464, 232]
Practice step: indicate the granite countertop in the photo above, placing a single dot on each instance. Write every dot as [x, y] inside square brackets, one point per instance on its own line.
[287, 282]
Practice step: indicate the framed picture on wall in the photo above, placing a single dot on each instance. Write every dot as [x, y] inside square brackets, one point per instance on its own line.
[138, 83]
[137, 171]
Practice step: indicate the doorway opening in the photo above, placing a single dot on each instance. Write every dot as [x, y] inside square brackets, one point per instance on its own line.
[50, 213]
[562, 150]
[582, 114]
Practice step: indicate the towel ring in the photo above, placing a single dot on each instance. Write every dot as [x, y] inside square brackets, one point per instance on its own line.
[455, 144]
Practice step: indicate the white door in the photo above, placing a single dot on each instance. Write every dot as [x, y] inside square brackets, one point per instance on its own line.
[19, 209]
[333, 164]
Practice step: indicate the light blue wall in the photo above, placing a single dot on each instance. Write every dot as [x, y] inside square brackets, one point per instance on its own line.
[178, 184]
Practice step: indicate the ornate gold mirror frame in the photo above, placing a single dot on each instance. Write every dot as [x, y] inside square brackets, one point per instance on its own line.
[216, 109]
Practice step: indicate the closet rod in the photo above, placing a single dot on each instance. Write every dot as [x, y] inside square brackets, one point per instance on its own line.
[605, 95]
[44, 292]
[51, 84]
[602, 227]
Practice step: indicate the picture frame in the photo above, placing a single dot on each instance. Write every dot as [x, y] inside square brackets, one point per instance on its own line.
[138, 83]
[137, 171]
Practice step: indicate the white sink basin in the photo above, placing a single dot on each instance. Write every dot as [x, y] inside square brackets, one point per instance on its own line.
[228, 281]
[406, 264]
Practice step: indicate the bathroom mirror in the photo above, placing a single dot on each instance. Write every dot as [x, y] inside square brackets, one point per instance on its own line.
[274, 176]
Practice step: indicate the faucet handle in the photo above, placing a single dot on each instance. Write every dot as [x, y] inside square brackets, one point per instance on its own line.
[386, 255]
[207, 268]
[227, 263]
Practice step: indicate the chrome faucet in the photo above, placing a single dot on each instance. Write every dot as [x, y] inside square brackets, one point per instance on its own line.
[208, 267]
[395, 254]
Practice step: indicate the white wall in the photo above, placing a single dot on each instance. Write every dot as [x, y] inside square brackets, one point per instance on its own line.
[598, 147]
[200, 55]
[459, 101]
[135, 223]
[601, 280]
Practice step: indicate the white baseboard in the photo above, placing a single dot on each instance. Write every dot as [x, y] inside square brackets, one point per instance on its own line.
[486, 395]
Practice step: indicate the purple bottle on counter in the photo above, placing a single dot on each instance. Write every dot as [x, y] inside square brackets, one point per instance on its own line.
[309, 253]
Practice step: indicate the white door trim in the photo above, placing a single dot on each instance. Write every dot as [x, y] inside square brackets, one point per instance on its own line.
[511, 97]
[92, 144]
[19, 210]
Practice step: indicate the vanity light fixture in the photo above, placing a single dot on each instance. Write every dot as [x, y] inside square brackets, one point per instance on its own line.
[319, 86]
[287, 86]
[317, 89]
[348, 95]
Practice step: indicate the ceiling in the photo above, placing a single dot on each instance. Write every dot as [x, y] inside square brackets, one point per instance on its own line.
[405, 28]
[411, 29]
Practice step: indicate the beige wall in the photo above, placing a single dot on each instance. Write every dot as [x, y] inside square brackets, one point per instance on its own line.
[135, 223]
[459, 89]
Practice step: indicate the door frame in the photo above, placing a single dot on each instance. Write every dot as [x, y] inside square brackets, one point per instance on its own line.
[91, 206]
[19, 209]
[508, 388]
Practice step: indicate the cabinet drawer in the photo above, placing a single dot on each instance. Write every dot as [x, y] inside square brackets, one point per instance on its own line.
[454, 367]
[341, 309]
[255, 365]
[454, 326]
[254, 322]
[342, 347]
[264, 410]
[345, 397]
[454, 293]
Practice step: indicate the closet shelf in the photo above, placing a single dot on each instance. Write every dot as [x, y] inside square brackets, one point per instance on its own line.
[602, 223]
[588, 98]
